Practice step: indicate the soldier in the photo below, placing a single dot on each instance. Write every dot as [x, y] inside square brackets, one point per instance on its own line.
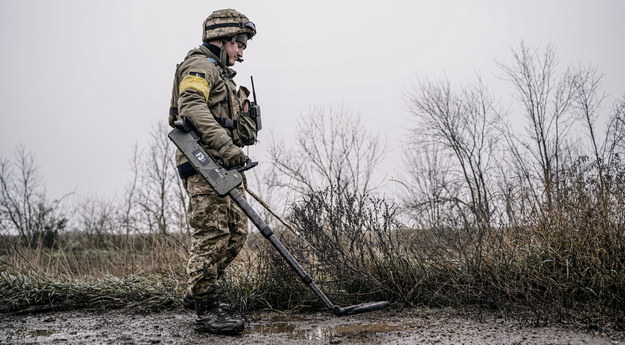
[204, 92]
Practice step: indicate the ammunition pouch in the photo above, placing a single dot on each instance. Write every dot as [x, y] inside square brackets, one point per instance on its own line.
[245, 129]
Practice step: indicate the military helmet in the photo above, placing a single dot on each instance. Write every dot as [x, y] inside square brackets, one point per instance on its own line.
[228, 23]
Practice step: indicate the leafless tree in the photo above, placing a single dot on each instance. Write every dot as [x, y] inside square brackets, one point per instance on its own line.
[129, 217]
[97, 218]
[546, 99]
[330, 171]
[456, 133]
[615, 137]
[333, 148]
[554, 105]
[586, 102]
[159, 195]
[428, 189]
[24, 207]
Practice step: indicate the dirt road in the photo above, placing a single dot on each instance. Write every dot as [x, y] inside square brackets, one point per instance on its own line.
[382, 327]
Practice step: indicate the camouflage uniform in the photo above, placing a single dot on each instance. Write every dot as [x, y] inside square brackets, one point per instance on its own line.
[204, 92]
[219, 233]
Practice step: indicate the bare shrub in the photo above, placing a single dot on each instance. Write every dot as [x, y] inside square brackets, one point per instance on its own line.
[512, 219]
[331, 171]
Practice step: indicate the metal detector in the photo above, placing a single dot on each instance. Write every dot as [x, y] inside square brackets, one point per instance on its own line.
[186, 137]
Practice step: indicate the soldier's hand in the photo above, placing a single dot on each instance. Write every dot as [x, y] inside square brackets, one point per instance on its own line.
[232, 155]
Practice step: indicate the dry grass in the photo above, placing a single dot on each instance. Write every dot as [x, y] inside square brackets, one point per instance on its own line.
[556, 269]
[25, 293]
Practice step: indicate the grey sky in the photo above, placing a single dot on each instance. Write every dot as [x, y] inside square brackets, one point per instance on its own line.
[83, 81]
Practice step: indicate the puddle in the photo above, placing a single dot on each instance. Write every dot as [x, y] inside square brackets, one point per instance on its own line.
[41, 332]
[331, 331]
[286, 318]
[32, 332]
[273, 328]
[373, 328]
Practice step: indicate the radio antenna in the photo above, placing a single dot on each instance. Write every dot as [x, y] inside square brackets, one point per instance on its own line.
[253, 90]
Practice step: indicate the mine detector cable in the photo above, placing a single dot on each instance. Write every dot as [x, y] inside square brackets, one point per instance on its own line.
[280, 219]
[287, 225]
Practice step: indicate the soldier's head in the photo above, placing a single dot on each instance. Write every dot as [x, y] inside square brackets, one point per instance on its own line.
[230, 30]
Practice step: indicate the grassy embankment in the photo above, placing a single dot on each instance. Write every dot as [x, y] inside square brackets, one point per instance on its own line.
[562, 268]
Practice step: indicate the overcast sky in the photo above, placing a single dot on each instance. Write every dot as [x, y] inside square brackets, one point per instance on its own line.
[81, 82]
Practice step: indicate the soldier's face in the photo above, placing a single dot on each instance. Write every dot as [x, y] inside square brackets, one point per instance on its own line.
[234, 51]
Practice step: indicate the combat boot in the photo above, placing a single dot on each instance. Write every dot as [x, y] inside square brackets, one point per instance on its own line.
[213, 319]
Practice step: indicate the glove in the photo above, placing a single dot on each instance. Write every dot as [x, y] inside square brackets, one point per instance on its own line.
[232, 155]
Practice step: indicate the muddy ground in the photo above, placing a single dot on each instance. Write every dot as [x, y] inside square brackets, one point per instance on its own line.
[381, 327]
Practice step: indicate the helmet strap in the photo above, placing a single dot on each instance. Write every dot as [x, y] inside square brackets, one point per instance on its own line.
[223, 54]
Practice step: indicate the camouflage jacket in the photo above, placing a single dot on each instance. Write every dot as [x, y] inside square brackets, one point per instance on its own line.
[205, 92]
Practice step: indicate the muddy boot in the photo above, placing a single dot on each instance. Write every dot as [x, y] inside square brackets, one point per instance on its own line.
[213, 319]
[188, 302]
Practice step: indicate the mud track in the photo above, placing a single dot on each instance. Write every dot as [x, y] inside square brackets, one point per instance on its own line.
[382, 327]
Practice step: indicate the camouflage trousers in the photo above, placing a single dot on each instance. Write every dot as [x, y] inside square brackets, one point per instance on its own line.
[219, 232]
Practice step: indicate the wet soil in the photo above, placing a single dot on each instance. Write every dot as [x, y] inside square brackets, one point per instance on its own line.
[381, 327]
